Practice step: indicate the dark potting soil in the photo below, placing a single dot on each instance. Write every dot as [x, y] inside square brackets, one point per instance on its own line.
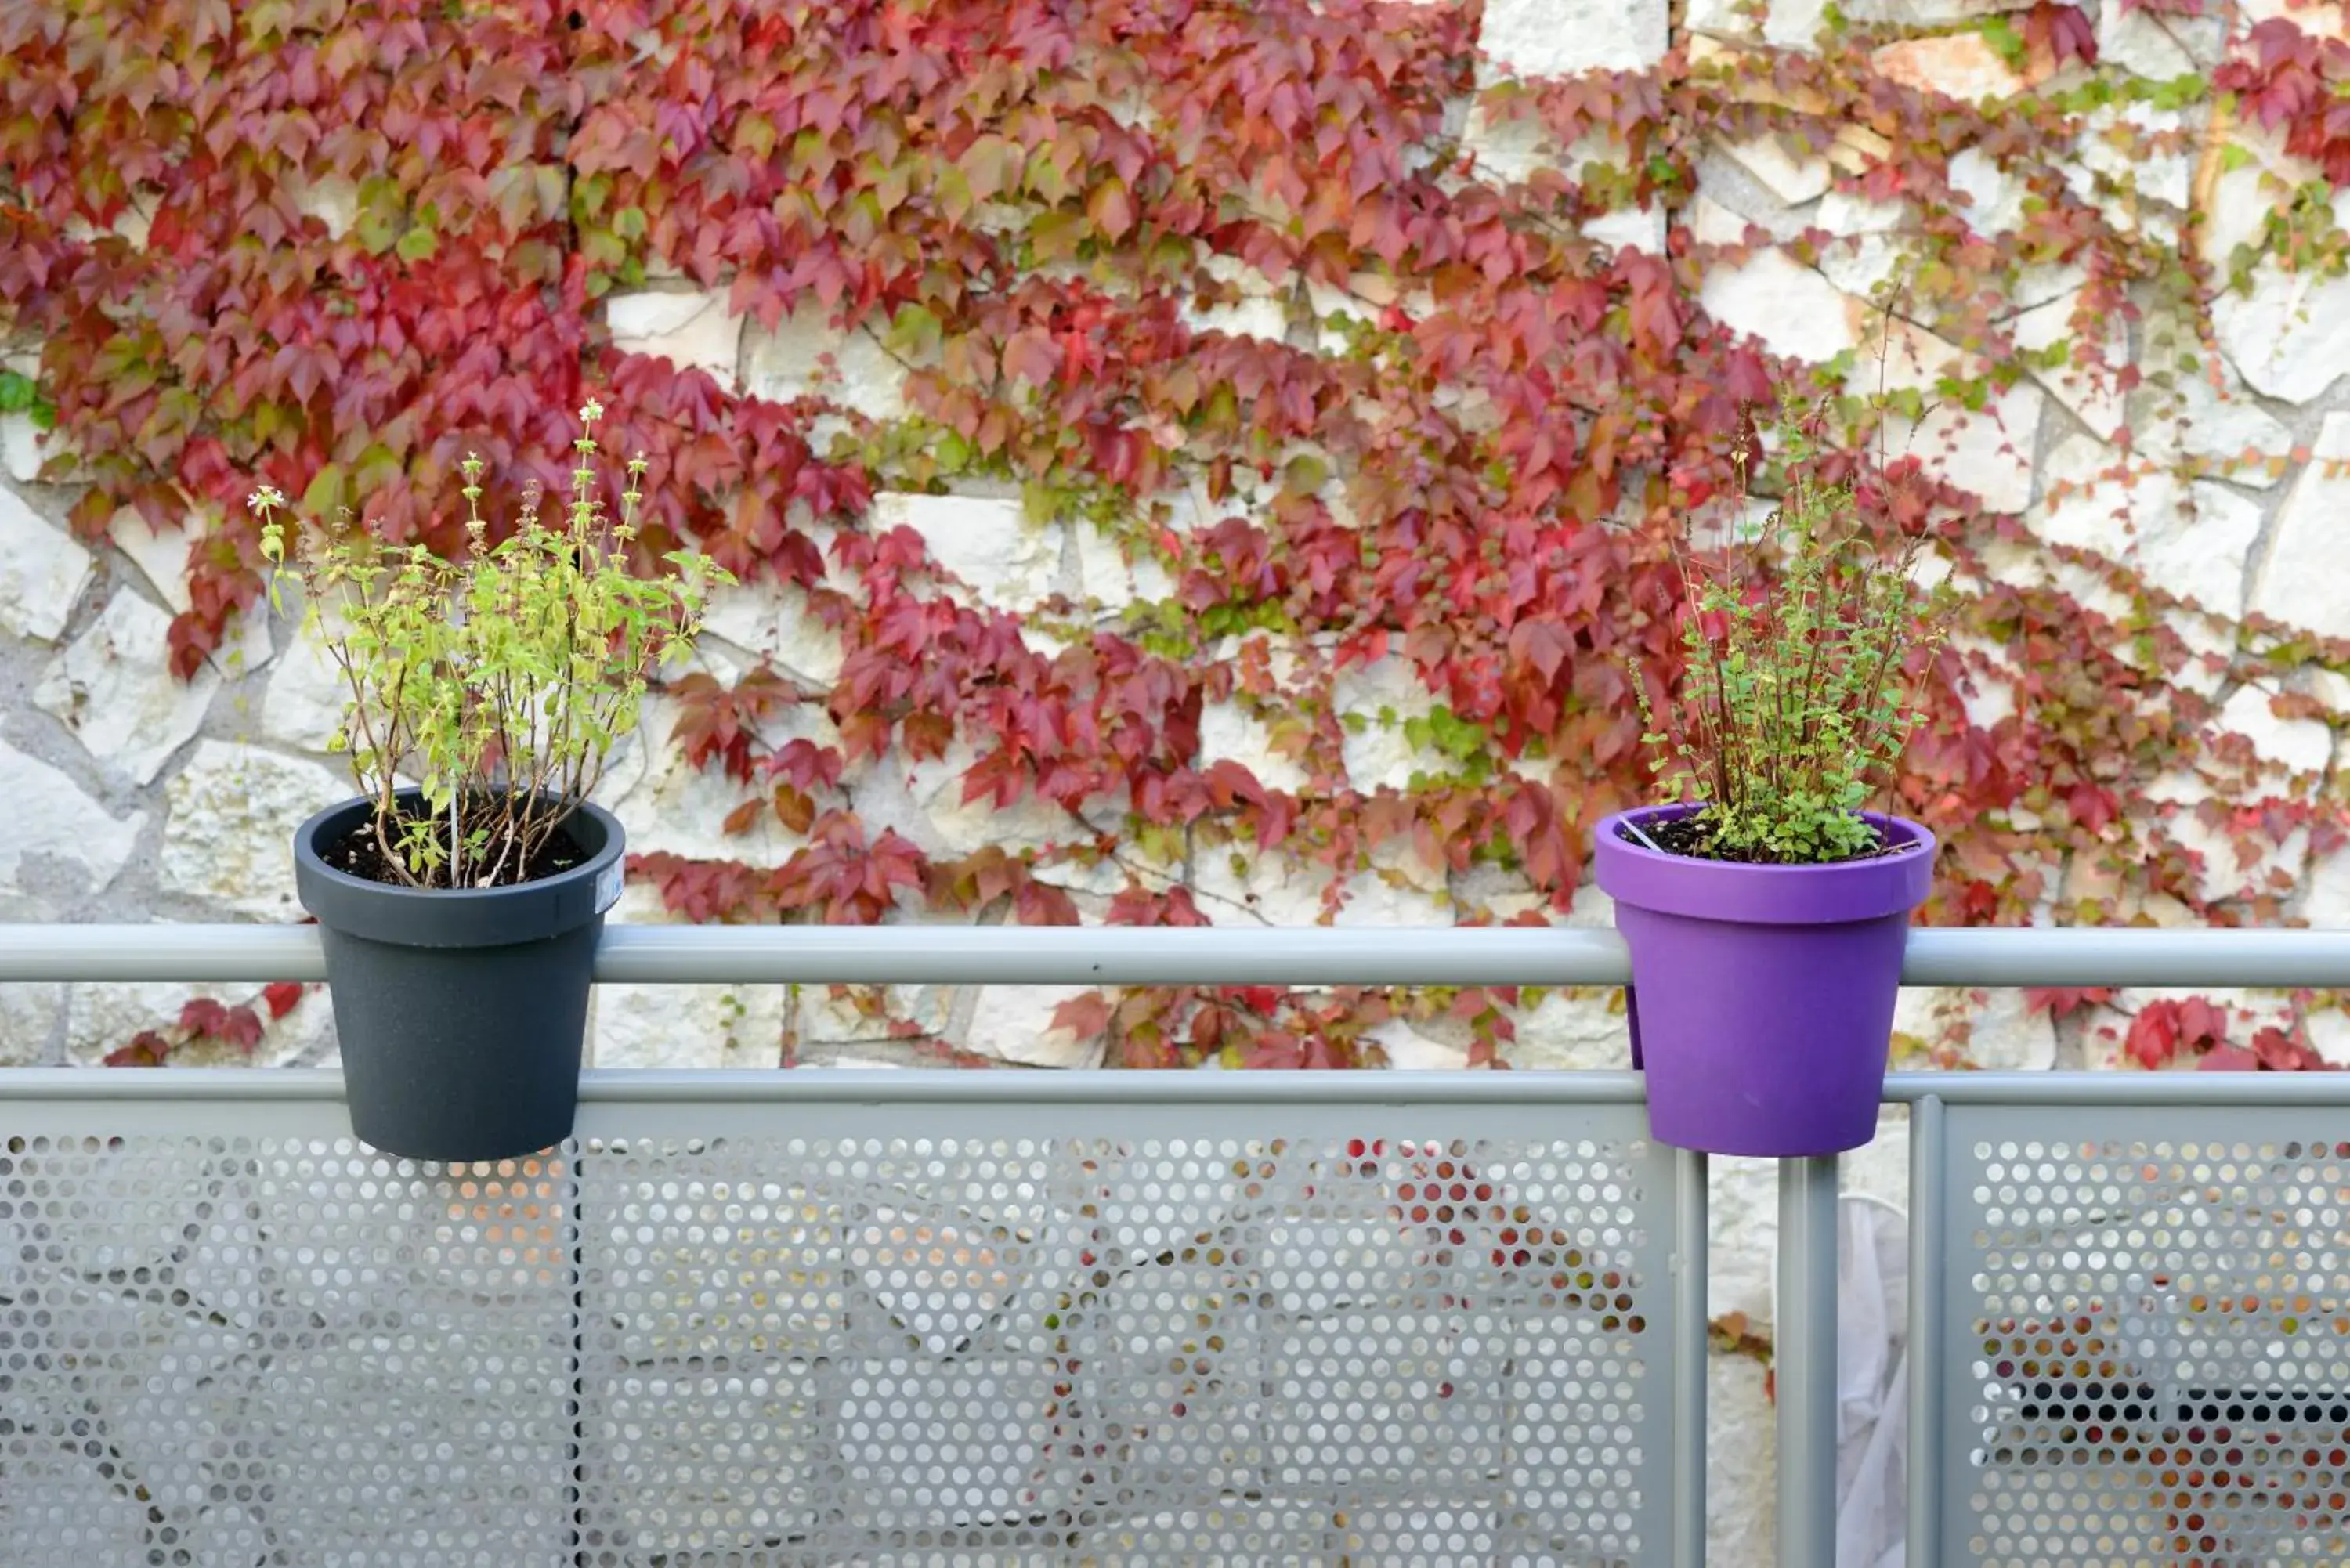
[357, 854]
[1693, 836]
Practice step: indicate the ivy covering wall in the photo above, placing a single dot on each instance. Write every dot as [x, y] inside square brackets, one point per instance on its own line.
[1201, 462]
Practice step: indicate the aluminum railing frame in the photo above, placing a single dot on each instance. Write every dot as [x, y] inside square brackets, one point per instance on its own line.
[1808, 1188]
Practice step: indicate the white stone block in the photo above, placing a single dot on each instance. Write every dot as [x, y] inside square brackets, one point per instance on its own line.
[2217, 424]
[101, 1018]
[42, 572]
[2226, 875]
[23, 447]
[113, 688]
[1014, 1024]
[1860, 264]
[1996, 196]
[2117, 141]
[693, 331]
[2289, 337]
[987, 541]
[2318, 18]
[28, 1023]
[2204, 558]
[1563, 37]
[1988, 453]
[233, 813]
[2148, 45]
[1254, 318]
[1871, 243]
[2305, 580]
[1383, 694]
[1843, 213]
[1794, 24]
[925, 804]
[308, 695]
[791, 362]
[2263, 181]
[2325, 895]
[331, 199]
[773, 621]
[2329, 1035]
[160, 553]
[1410, 1050]
[1790, 308]
[1926, 13]
[2298, 746]
[1239, 885]
[1572, 1030]
[671, 1026]
[1992, 1029]
[2145, 524]
[1229, 731]
[1629, 228]
[1740, 1494]
[1107, 577]
[1795, 177]
[676, 808]
[1720, 19]
[48, 817]
[2090, 391]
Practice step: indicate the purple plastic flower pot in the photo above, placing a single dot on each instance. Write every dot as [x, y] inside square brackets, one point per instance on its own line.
[1762, 999]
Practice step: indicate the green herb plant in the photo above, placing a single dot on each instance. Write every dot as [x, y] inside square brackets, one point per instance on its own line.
[499, 680]
[1800, 640]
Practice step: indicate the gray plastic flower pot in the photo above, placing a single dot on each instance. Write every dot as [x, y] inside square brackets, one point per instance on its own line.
[461, 1010]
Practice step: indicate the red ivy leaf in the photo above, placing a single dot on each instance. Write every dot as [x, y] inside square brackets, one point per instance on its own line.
[146, 1049]
[1042, 904]
[1083, 1018]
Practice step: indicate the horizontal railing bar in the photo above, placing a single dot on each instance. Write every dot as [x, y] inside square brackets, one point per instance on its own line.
[2311, 1090]
[850, 1085]
[1095, 955]
[1017, 1087]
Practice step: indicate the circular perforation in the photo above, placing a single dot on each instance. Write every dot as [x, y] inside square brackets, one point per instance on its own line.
[280, 1352]
[2160, 1349]
[1207, 1349]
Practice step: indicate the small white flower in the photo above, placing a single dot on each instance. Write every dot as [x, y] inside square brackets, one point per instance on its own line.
[592, 412]
[265, 497]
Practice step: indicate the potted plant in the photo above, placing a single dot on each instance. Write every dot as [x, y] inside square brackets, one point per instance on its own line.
[1766, 905]
[460, 912]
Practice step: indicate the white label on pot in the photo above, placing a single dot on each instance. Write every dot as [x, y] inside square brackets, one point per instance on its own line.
[608, 885]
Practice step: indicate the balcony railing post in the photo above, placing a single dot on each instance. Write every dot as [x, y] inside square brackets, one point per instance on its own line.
[1927, 1169]
[1806, 1362]
[1691, 1263]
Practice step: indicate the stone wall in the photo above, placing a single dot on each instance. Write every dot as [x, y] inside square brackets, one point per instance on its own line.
[131, 796]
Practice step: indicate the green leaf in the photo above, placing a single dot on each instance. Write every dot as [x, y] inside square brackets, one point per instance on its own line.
[915, 332]
[1054, 236]
[325, 492]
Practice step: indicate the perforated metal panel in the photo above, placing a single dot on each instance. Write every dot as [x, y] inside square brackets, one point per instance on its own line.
[2148, 1357]
[831, 1335]
[282, 1350]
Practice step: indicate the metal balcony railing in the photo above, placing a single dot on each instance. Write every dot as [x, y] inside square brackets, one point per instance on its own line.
[951, 1318]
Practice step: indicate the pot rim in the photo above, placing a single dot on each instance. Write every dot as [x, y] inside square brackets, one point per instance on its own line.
[455, 917]
[1868, 888]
